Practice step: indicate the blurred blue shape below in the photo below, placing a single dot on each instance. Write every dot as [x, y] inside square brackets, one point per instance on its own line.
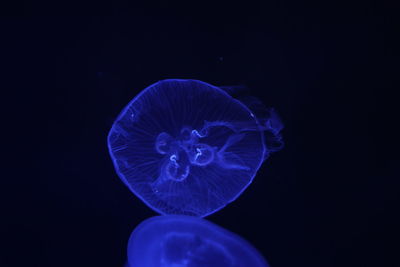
[186, 241]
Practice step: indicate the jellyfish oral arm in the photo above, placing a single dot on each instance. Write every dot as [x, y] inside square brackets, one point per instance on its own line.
[163, 143]
[176, 170]
[198, 154]
[201, 155]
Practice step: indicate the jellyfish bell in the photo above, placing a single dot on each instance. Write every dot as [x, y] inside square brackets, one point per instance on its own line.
[187, 241]
[187, 147]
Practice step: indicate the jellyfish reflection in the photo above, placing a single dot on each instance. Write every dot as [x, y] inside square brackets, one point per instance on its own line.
[186, 241]
[187, 147]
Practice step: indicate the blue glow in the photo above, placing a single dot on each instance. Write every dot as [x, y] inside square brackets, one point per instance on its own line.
[186, 241]
[187, 147]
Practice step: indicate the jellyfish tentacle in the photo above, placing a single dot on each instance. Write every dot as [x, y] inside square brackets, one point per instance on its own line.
[230, 160]
[233, 139]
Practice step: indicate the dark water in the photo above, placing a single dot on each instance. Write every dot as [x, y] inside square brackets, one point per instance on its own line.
[328, 198]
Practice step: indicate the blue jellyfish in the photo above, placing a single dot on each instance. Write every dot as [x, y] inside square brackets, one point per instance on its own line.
[187, 147]
[187, 241]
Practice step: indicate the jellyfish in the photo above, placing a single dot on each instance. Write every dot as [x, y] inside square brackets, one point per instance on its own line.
[188, 241]
[187, 147]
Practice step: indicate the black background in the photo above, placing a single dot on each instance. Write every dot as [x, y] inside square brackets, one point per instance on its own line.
[327, 199]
